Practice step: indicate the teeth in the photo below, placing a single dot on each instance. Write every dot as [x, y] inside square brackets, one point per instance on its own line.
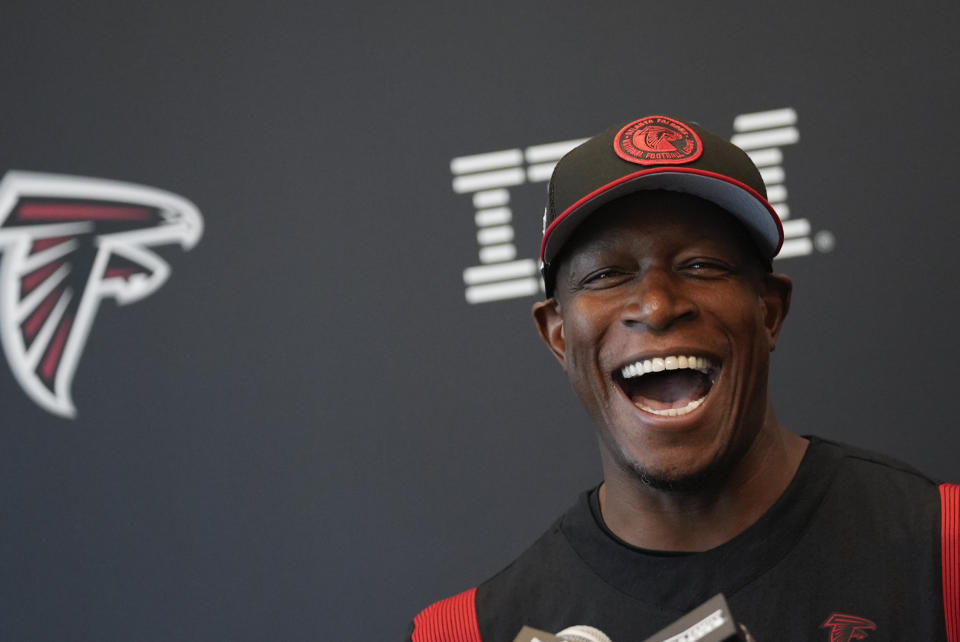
[674, 412]
[658, 364]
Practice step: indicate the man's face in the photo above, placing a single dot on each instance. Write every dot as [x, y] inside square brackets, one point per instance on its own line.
[664, 321]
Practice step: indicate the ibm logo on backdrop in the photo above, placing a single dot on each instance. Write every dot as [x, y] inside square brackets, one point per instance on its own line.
[489, 177]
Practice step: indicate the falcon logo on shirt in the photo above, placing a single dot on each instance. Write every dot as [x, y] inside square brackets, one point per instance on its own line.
[67, 243]
[844, 628]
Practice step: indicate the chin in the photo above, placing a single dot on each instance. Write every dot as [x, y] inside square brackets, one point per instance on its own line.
[673, 476]
[673, 481]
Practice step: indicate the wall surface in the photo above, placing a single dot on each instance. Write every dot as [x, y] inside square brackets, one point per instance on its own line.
[323, 404]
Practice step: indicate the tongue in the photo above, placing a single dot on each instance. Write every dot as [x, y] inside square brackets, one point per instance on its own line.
[670, 389]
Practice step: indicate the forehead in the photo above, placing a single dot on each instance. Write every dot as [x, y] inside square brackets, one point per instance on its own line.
[657, 220]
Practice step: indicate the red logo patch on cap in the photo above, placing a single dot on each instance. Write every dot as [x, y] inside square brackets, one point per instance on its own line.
[657, 140]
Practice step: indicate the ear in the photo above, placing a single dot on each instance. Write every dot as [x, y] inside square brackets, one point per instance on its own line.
[776, 304]
[549, 320]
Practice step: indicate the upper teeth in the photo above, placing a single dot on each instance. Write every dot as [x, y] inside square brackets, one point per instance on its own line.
[658, 364]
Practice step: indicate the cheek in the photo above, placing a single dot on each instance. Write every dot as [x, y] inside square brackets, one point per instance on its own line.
[746, 320]
[754, 342]
[585, 334]
[584, 328]
[576, 347]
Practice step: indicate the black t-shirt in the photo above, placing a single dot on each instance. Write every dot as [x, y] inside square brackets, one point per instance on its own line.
[851, 550]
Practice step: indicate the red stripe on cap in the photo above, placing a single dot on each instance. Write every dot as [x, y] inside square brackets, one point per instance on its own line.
[950, 557]
[80, 212]
[662, 170]
[451, 620]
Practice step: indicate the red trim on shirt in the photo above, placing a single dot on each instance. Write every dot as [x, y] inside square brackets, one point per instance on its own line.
[950, 557]
[451, 620]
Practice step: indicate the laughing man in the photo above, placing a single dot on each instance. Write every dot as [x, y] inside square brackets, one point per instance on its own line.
[663, 310]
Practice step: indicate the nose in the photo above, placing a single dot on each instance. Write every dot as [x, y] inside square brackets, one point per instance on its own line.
[657, 301]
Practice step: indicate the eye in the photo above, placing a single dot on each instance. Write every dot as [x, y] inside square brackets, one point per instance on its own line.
[604, 278]
[707, 268]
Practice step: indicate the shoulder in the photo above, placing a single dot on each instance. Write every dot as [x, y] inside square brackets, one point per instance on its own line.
[451, 620]
[873, 467]
[871, 492]
[497, 606]
[500, 606]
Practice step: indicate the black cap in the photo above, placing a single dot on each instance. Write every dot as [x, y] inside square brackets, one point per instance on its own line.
[650, 153]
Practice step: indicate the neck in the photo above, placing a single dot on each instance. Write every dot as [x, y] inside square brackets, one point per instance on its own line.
[701, 519]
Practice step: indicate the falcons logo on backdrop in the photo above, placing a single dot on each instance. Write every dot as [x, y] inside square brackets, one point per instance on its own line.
[67, 243]
[845, 628]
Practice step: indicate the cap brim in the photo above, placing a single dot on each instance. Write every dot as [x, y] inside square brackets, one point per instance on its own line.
[740, 200]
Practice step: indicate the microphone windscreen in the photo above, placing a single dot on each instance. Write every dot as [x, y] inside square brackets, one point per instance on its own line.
[583, 633]
[578, 633]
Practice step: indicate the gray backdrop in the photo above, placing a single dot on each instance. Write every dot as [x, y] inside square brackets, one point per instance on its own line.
[308, 432]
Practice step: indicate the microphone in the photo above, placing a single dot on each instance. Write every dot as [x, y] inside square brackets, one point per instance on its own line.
[712, 621]
[578, 633]
[583, 633]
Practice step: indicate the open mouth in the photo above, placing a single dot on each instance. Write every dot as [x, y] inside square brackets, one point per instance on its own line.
[668, 386]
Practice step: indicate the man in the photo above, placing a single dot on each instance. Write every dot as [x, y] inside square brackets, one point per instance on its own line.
[663, 310]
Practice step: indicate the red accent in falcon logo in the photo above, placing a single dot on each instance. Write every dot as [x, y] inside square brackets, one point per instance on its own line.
[844, 628]
[68, 242]
[657, 140]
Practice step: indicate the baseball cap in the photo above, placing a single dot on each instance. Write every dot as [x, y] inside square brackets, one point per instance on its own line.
[655, 153]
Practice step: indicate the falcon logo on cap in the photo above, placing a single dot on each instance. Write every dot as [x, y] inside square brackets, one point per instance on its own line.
[657, 140]
[67, 243]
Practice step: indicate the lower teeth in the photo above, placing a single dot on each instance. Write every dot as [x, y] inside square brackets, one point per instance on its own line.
[674, 412]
